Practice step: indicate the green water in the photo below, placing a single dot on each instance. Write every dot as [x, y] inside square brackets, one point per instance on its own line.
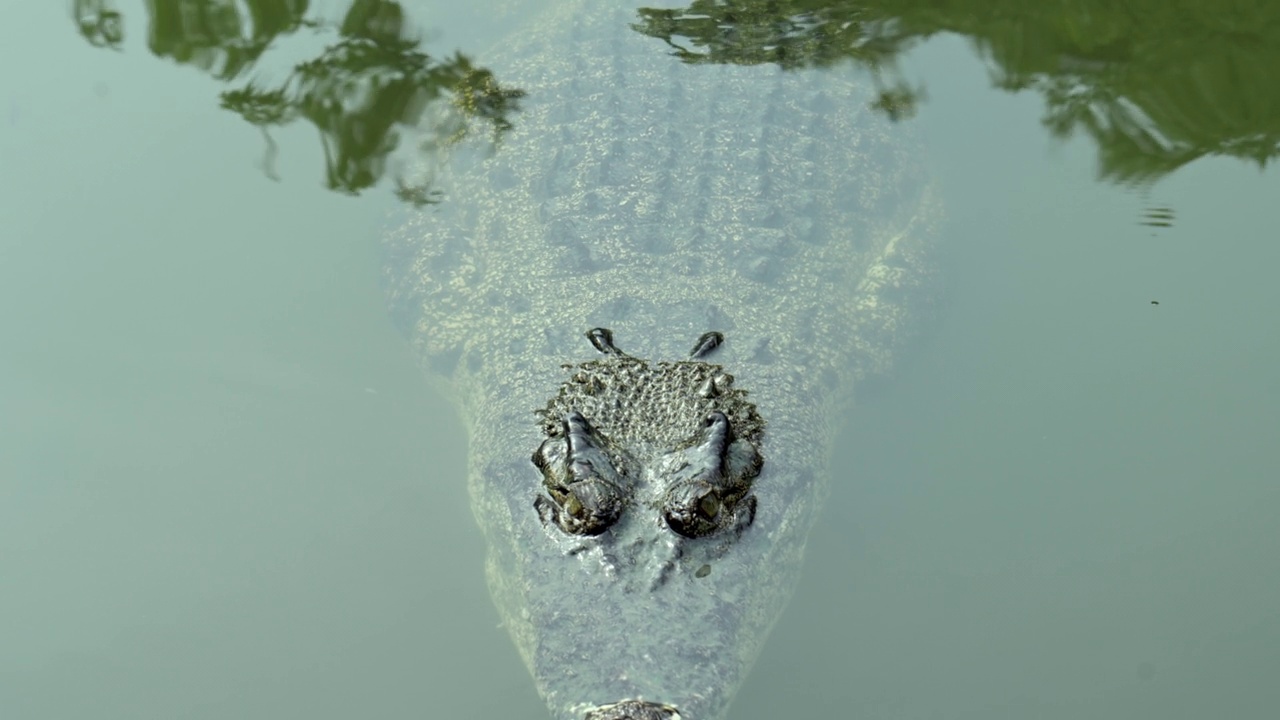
[226, 492]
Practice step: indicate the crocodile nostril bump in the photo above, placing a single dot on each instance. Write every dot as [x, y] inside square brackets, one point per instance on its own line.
[633, 710]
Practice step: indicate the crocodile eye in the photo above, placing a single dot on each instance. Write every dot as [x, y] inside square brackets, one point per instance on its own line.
[574, 506]
[709, 505]
[584, 495]
[713, 480]
[692, 509]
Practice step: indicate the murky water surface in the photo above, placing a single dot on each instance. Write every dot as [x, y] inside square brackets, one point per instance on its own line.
[225, 490]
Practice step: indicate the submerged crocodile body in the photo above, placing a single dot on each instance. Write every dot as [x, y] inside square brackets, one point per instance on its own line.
[646, 508]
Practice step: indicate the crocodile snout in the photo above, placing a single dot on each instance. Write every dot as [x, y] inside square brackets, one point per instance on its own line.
[633, 710]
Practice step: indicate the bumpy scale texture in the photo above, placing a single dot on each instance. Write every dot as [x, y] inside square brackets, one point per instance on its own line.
[642, 405]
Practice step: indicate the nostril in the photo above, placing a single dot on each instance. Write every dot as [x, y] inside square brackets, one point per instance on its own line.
[633, 710]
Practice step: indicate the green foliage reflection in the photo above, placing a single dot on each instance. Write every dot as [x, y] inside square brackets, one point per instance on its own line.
[1155, 83]
[361, 92]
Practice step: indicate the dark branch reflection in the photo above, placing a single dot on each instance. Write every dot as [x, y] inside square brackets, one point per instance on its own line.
[99, 23]
[363, 91]
[792, 34]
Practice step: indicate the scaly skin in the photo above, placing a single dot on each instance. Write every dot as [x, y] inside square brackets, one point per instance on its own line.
[661, 201]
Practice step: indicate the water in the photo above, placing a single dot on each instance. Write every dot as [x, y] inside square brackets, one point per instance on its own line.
[226, 491]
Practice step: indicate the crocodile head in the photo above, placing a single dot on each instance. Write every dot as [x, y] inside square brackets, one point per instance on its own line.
[674, 445]
[631, 588]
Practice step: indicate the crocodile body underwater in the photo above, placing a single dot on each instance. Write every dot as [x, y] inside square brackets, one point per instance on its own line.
[651, 305]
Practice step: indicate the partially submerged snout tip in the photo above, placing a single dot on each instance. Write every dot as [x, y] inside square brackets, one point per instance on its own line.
[633, 710]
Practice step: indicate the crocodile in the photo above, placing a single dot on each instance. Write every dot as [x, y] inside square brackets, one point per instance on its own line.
[646, 505]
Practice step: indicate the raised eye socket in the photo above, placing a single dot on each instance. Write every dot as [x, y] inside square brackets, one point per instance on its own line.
[584, 508]
[690, 527]
[584, 495]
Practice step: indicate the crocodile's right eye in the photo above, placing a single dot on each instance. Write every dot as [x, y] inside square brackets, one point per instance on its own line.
[584, 495]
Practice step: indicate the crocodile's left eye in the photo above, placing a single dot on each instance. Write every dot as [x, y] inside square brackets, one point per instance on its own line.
[713, 484]
[693, 509]
[584, 495]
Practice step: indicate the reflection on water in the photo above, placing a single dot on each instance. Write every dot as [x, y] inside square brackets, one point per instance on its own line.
[368, 85]
[1155, 86]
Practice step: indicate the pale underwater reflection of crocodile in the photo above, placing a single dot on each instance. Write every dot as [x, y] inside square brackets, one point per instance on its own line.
[646, 508]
